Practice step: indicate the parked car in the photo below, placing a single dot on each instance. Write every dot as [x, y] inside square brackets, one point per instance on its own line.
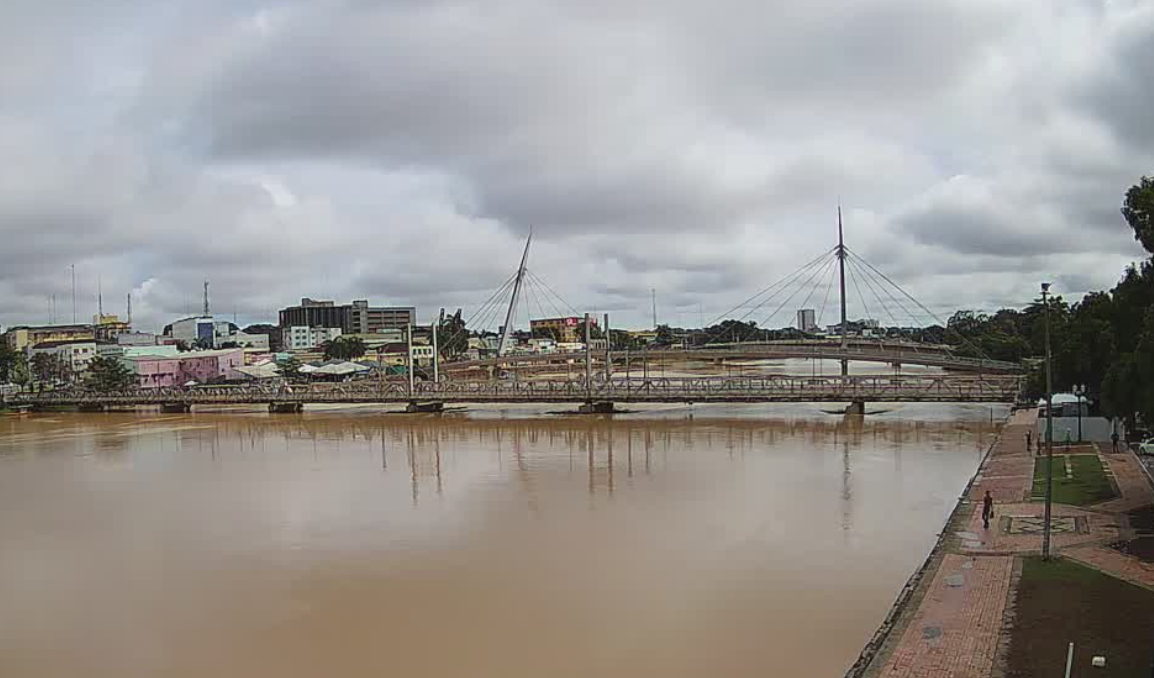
[1146, 446]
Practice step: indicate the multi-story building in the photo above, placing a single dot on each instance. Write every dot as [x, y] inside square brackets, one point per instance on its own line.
[136, 339]
[378, 339]
[303, 338]
[807, 320]
[21, 337]
[123, 352]
[75, 355]
[202, 367]
[422, 356]
[355, 318]
[107, 328]
[563, 330]
[365, 319]
[202, 331]
[256, 342]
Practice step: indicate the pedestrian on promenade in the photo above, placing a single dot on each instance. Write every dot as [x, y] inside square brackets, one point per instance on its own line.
[1114, 441]
[987, 510]
[1029, 439]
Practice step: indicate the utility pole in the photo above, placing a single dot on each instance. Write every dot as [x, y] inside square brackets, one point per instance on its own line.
[653, 291]
[1049, 427]
[588, 359]
[130, 308]
[503, 344]
[841, 267]
[73, 294]
[608, 350]
[437, 353]
[99, 298]
[409, 364]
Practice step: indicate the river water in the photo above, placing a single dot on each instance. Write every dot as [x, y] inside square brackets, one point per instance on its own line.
[687, 541]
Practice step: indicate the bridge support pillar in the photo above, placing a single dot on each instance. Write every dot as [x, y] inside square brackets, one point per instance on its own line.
[285, 408]
[435, 407]
[856, 408]
[90, 407]
[175, 408]
[597, 407]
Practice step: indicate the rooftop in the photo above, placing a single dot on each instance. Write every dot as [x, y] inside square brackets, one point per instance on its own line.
[186, 355]
[63, 342]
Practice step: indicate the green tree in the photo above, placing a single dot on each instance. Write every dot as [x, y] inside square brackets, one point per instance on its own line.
[8, 360]
[49, 368]
[547, 333]
[621, 340]
[108, 374]
[291, 369]
[1138, 209]
[1120, 390]
[344, 348]
[20, 373]
[452, 337]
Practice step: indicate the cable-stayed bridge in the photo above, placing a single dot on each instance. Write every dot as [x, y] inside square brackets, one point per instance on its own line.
[733, 362]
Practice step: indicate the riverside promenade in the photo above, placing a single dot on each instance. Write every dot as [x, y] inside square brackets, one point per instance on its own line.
[952, 620]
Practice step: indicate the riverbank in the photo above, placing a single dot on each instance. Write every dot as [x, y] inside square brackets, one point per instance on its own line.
[957, 615]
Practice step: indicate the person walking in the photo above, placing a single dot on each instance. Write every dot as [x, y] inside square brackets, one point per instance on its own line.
[1029, 439]
[1114, 441]
[987, 510]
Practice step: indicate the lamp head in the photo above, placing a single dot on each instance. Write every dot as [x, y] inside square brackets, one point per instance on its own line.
[1045, 287]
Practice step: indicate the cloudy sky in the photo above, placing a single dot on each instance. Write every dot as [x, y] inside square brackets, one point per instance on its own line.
[401, 150]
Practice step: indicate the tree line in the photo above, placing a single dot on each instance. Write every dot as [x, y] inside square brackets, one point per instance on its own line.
[1104, 342]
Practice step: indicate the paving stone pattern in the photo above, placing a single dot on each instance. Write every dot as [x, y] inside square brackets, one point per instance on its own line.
[955, 630]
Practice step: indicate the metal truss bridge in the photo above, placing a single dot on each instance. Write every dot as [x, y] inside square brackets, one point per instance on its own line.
[837, 389]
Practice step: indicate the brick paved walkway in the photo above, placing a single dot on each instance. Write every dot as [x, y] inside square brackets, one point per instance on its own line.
[955, 631]
[1132, 484]
[1098, 527]
[1114, 563]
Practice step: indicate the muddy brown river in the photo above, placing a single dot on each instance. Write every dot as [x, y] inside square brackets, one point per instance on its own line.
[762, 540]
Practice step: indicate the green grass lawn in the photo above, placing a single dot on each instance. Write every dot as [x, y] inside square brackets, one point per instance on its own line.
[1060, 602]
[1088, 486]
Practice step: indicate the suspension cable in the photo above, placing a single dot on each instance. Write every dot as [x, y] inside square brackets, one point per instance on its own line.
[828, 289]
[781, 285]
[794, 294]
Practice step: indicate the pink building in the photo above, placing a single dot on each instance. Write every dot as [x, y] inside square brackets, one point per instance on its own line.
[153, 371]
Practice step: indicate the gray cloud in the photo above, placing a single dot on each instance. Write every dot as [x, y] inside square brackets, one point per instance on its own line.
[401, 150]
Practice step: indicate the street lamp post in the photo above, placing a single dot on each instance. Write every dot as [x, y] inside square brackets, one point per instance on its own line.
[1049, 427]
[1079, 390]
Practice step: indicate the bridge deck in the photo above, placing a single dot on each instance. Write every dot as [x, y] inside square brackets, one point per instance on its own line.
[654, 390]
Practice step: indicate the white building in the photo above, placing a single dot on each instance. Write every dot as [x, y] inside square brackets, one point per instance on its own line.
[75, 354]
[422, 355]
[542, 345]
[203, 332]
[807, 320]
[253, 341]
[136, 339]
[300, 338]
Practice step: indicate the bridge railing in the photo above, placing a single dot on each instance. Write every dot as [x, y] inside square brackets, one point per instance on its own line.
[759, 387]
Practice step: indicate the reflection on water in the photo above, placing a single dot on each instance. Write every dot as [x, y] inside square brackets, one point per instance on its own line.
[687, 541]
